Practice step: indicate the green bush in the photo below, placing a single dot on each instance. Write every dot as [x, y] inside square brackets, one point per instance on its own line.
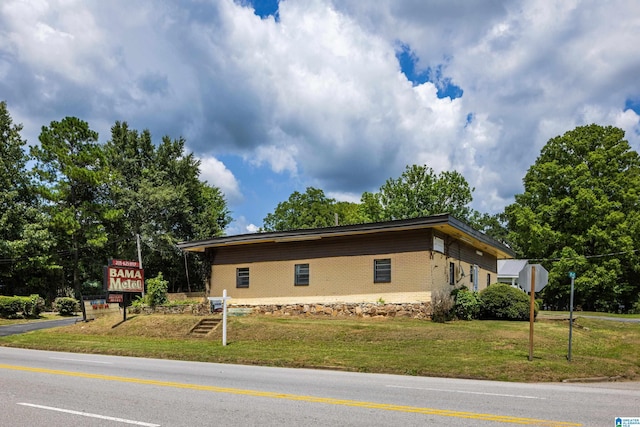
[10, 307]
[18, 307]
[66, 306]
[139, 302]
[467, 304]
[157, 289]
[33, 306]
[503, 302]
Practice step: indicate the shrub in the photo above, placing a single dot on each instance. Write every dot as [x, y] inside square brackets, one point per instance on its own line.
[33, 306]
[157, 289]
[138, 302]
[503, 302]
[441, 306]
[66, 306]
[467, 304]
[10, 307]
[17, 307]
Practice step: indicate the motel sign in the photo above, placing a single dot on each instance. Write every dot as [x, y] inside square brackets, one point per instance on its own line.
[124, 276]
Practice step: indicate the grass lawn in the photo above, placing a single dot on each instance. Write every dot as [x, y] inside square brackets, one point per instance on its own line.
[495, 350]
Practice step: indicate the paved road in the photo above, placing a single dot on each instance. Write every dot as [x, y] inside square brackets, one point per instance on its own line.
[52, 389]
[20, 328]
[576, 315]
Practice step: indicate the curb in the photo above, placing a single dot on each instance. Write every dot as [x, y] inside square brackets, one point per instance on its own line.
[592, 380]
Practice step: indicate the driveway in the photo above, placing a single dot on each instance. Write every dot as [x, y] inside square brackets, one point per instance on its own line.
[20, 328]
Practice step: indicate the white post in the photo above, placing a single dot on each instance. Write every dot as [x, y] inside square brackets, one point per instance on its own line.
[224, 317]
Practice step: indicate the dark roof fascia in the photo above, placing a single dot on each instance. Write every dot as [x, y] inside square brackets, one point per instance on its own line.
[345, 230]
[466, 228]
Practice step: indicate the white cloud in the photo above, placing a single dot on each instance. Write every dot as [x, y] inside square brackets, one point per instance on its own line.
[319, 95]
[241, 225]
[216, 173]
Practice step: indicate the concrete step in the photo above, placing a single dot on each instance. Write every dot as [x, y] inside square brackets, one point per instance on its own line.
[205, 327]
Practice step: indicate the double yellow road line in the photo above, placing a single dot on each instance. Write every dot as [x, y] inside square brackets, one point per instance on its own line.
[314, 399]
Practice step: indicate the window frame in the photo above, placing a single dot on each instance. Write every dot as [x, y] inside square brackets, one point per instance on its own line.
[242, 277]
[382, 270]
[299, 274]
[452, 273]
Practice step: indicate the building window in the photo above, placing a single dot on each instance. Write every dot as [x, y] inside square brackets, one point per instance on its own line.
[438, 244]
[471, 268]
[301, 275]
[488, 279]
[452, 274]
[242, 277]
[382, 270]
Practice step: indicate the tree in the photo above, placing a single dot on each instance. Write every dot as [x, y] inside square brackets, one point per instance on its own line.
[581, 206]
[72, 183]
[24, 238]
[161, 198]
[420, 192]
[311, 209]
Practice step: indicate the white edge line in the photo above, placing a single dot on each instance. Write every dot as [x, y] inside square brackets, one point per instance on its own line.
[87, 414]
[80, 360]
[470, 392]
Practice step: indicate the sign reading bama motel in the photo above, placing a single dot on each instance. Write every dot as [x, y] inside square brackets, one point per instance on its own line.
[119, 278]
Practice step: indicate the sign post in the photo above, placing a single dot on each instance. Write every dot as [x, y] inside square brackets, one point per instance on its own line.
[532, 303]
[572, 275]
[532, 278]
[215, 301]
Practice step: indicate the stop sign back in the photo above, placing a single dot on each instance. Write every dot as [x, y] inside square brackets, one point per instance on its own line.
[541, 279]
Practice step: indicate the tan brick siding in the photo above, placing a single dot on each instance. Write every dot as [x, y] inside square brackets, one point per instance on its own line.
[411, 273]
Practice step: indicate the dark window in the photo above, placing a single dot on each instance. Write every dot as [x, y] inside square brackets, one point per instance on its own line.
[488, 279]
[301, 275]
[452, 274]
[382, 270]
[471, 273]
[242, 277]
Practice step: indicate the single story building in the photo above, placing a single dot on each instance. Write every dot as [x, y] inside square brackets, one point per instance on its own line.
[401, 261]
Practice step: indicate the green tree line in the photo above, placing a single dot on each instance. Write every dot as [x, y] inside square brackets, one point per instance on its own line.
[580, 212]
[70, 203]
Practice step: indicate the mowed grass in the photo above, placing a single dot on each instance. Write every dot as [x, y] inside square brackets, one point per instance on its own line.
[493, 350]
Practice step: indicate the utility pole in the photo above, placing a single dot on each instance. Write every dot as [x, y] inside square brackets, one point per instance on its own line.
[139, 257]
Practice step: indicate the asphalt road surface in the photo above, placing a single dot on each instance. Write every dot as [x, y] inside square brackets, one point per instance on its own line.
[21, 328]
[40, 388]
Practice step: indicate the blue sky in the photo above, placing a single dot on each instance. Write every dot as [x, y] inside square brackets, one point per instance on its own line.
[341, 95]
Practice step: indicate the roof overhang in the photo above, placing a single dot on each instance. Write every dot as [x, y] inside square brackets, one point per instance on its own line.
[444, 223]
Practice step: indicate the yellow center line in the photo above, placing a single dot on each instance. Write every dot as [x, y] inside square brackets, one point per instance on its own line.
[314, 399]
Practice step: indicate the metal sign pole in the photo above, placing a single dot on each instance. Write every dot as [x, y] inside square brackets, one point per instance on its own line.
[573, 277]
[531, 310]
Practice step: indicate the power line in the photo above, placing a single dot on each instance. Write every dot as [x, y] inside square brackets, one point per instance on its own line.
[584, 256]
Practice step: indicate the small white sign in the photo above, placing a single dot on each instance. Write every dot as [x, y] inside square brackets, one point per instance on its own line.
[627, 422]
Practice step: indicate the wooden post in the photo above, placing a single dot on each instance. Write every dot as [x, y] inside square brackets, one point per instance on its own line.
[532, 311]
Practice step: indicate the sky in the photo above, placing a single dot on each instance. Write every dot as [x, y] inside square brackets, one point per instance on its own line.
[274, 97]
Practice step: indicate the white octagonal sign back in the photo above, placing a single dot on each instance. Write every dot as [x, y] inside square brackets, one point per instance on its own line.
[541, 279]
